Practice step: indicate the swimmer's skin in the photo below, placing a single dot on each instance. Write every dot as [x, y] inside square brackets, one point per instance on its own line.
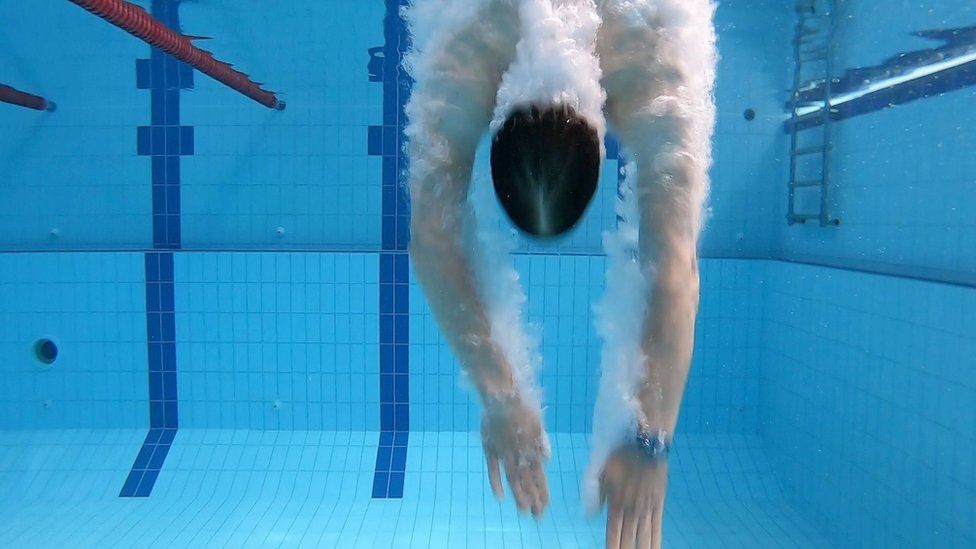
[455, 104]
[672, 183]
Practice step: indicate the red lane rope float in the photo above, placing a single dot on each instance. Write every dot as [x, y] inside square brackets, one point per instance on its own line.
[137, 22]
[24, 99]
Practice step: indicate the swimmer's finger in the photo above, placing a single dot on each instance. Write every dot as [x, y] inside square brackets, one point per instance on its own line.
[543, 484]
[632, 512]
[537, 480]
[495, 475]
[513, 475]
[657, 522]
[645, 528]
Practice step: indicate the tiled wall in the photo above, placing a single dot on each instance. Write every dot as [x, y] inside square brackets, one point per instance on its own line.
[903, 178]
[868, 402]
[723, 386]
[278, 340]
[93, 308]
[305, 169]
[71, 178]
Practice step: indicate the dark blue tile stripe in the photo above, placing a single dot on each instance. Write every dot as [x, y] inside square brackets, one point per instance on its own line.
[165, 141]
[387, 141]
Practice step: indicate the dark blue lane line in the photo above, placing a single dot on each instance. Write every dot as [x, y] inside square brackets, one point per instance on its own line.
[387, 142]
[164, 141]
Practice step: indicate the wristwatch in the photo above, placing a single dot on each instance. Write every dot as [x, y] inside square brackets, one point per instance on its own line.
[654, 442]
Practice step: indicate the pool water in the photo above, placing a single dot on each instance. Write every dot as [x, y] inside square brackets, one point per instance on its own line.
[211, 335]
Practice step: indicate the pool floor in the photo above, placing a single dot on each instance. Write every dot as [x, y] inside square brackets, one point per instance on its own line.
[309, 489]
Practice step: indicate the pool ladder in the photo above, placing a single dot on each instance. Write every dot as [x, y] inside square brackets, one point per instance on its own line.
[810, 132]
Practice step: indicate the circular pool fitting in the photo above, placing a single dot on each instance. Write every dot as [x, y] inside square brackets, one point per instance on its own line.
[46, 350]
[750, 114]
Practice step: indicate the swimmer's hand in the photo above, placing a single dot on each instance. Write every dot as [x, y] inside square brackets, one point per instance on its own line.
[633, 486]
[512, 435]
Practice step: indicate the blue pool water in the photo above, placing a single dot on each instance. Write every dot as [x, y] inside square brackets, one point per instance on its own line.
[244, 357]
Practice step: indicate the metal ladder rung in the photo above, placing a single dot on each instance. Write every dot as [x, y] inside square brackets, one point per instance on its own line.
[809, 150]
[806, 183]
[803, 217]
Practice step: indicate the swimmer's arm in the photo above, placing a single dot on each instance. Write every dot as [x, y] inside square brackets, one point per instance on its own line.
[511, 430]
[445, 271]
[669, 253]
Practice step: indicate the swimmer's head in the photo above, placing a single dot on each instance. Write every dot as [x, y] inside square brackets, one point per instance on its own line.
[545, 164]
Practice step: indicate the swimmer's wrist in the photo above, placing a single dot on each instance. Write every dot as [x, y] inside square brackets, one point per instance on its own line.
[654, 442]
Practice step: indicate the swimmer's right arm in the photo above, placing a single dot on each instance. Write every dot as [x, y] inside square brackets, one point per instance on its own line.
[512, 432]
[457, 70]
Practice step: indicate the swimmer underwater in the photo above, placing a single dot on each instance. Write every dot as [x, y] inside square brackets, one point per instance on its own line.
[543, 79]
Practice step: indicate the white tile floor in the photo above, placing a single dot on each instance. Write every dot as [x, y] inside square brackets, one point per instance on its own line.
[287, 489]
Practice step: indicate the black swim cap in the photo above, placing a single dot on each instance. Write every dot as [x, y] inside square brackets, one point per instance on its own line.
[545, 164]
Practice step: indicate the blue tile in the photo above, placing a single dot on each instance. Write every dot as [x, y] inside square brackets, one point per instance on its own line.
[400, 438]
[155, 357]
[401, 355]
[168, 324]
[153, 437]
[172, 137]
[165, 267]
[391, 177]
[158, 457]
[402, 269]
[167, 436]
[142, 459]
[401, 387]
[186, 76]
[384, 458]
[386, 416]
[387, 273]
[396, 485]
[386, 438]
[381, 484]
[157, 140]
[402, 299]
[389, 232]
[390, 197]
[169, 388]
[401, 419]
[386, 298]
[387, 358]
[399, 459]
[156, 385]
[153, 299]
[390, 135]
[172, 200]
[156, 414]
[146, 485]
[143, 141]
[143, 80]
[401, 329]
[387, 388]
[390, 105]
[386, 328]
[186, 140]
[171, 419]
[375, 140]
[132, 483]
[154, 327]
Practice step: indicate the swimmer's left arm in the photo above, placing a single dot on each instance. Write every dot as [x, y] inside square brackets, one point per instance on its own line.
[668, 237]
